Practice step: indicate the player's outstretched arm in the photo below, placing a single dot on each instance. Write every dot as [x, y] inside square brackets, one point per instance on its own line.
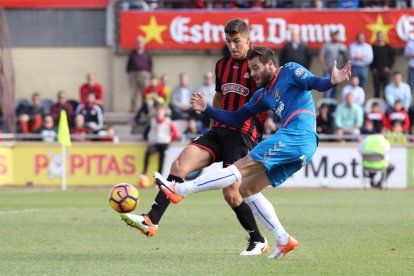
[231, 118]
[340, 76]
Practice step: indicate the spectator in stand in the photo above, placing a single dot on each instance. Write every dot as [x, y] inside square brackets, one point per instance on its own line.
[398, 90]
[159, 134]
[153, 4]
[224, 4]
[60, 104]
[180, 99]
[108, 135]
[167, 89]
[79, 131]
[312, 4]
[289, 4]
[318, 4]
[348, 4]
[396, 133]
[385, 4]
[377, 117]
[361, 55]
[154, 95]
[349, 117]
[48, 130]
[196, 4]
[331, 51]
[325, 122]
[192, 130]
[30, 117]
[92, 113]
[139, 68]
[409, 55]
[368, 128]
[381, 65]
[356, 90]
[92, 86]
[295, 50]
[208, 87]
[399, 114]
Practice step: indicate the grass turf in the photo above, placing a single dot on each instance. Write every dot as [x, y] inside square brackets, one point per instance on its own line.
[76, 233]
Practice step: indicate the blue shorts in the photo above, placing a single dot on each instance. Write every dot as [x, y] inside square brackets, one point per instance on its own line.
[285, 152]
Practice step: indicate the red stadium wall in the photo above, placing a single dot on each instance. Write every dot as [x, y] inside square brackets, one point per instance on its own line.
[204, 29]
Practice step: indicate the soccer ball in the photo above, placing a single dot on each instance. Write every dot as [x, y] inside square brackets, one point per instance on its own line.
[124, 198]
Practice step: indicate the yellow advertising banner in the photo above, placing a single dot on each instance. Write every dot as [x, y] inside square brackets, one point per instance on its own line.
[86, 164]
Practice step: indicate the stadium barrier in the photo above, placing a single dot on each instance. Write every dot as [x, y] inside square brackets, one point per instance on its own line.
[334, 165]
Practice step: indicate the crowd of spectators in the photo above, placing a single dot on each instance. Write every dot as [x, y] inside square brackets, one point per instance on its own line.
[345, 112]
[148, 92]
[260, 4]
[39, 119]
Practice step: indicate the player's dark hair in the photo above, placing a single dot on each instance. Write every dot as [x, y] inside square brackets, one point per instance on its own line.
[265, 54]
[236, 26]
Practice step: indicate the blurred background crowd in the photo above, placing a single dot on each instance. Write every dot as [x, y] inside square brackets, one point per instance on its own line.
[344, 113]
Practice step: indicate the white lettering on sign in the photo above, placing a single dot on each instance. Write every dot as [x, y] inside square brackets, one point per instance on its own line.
[278, 31]
[405, 26]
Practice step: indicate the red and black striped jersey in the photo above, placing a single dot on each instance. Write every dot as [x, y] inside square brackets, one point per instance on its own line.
[233, 80]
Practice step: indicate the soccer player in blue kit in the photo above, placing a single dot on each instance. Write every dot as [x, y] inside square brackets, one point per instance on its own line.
[285, 90]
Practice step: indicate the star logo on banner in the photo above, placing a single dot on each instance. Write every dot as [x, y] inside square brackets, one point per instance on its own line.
[153, 31]
[379, 26]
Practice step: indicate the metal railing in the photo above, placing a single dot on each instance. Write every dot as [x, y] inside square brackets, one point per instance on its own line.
[20, 137]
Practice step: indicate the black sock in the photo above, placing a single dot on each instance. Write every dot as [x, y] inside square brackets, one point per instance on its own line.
[161, 202]
[245, 216]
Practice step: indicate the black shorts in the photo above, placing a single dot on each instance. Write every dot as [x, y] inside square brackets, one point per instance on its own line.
[225, 145]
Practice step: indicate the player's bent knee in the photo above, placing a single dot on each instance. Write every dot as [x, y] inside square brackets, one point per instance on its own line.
[233, 197]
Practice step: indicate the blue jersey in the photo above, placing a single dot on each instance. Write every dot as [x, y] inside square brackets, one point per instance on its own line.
[289, 97]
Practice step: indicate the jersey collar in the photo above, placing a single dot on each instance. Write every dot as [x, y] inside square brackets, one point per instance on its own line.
[269, 86]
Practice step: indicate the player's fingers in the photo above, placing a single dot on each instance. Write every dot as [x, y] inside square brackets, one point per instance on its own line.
[334, 64]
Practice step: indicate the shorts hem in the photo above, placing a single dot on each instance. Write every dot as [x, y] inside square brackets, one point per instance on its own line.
[207, 149]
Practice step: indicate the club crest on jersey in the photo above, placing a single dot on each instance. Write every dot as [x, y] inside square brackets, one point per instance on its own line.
[299, 72]
[246, 75]
[277, 93]
[235, 88]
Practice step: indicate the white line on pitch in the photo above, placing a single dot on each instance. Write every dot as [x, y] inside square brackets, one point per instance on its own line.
[7, 212]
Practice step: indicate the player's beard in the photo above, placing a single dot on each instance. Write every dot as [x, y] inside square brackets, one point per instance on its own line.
[264, 79]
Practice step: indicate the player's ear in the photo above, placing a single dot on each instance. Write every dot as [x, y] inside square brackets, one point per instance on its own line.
[248, 40]
[270, 64]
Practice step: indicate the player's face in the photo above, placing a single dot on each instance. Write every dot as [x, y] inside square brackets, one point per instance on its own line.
[259, 72]
[238, 45]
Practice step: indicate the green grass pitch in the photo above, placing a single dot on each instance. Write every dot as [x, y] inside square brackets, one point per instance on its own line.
[77, 233]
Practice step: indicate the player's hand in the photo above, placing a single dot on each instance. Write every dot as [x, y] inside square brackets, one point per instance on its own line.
[339, 76]
[198, 101]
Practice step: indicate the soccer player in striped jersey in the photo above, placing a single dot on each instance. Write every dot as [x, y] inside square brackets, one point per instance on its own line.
[285, 90]
[234, 88]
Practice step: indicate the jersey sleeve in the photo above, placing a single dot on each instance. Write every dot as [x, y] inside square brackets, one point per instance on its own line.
[236, 118]
[256, 104]
[298, 75]
[302, 78]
